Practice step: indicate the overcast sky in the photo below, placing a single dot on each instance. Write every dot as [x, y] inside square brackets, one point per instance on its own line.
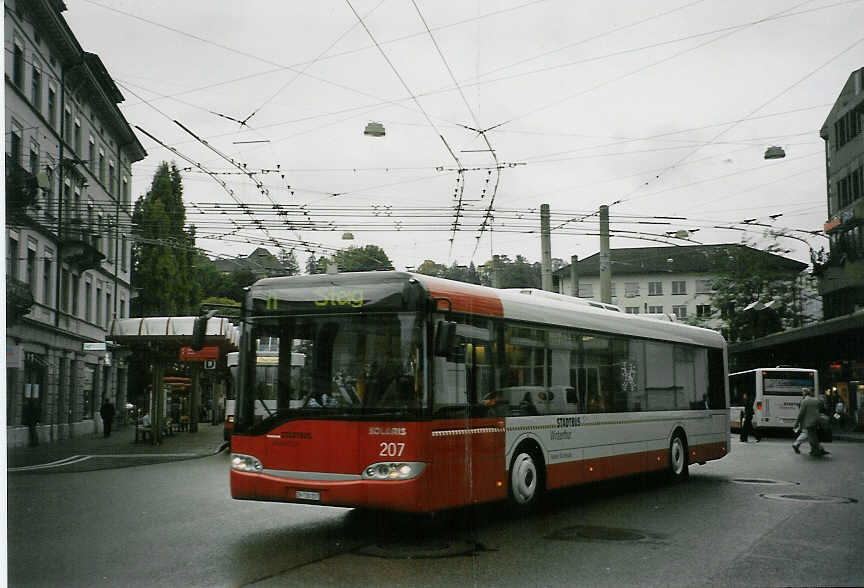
[661, 108]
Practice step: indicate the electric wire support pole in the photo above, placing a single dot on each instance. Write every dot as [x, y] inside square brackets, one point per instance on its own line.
[545, 249]
[605, 264]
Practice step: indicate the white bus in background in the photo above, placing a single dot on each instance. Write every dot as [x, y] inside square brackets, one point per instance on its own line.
[775, 393]
[266, 377]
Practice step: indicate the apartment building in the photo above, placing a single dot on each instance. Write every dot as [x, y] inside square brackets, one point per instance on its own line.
[662, 280]
[69, 156]
[841, 277]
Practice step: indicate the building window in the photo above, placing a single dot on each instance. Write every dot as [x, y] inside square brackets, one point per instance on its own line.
[77, 137]
[655, 310]
[49, 193]
[631, 309]
[52, 107]
[34, 158]
[67, 125]
[111, 178]
[15, 142]
[631, 289]
[123, 246]
[704, 286]
[655, 288]
[46, 278]
[122, 314]
[101, 167]
[107, 310]
[98, 307]
[586, 290]
[680, 310]
[12, 258]
[88, 301]
[679, 287]
[124, 191]
[703, 310]
[36, 89]
[18, 64]
[91, 154]
[31, 268]
[64, 290]
[847, 127]
[76, 288]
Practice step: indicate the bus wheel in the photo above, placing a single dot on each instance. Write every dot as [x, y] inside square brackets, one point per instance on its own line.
[678, 466]
[526, 479]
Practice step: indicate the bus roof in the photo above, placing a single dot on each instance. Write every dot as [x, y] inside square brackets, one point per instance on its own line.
[348, 292]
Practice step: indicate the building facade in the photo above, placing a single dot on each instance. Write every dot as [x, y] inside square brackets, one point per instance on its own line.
[842, 275]
[664, 280]
[69, 156]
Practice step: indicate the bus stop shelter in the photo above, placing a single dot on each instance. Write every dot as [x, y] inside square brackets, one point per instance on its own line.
[166, 340]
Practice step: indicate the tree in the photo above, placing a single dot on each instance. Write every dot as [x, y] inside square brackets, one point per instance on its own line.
[518, 273]
[757, 292]
[164, 249]
[289, 262]
[236, 283]
[362, 259]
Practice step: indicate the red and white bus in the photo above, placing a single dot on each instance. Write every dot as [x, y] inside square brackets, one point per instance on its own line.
[420, 394]
[775, 394]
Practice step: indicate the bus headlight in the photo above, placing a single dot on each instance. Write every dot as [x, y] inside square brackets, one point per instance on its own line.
[404, 470]
[245, 463]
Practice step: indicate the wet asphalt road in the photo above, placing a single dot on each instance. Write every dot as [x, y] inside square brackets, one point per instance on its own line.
[761, 516]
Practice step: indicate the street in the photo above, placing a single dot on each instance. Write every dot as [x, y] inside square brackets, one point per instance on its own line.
[762, 516]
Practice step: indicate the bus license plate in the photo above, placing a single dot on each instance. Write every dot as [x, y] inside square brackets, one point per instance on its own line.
[304, 495]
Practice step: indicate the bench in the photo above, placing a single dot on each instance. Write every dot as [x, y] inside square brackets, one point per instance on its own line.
[145, 432]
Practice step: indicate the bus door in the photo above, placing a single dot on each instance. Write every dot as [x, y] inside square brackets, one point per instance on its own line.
[467, 442]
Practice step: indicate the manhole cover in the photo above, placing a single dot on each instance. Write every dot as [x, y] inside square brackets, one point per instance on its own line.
[810, 498]
[597, 533]
[425, 550]
[764, 481]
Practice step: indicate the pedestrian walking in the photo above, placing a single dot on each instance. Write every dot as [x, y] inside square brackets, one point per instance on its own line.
[808, 424]
[31, 419]
[107, 414]
[747, 426]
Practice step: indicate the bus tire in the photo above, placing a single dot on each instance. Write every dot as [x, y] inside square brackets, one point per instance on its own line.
[527, 478]
[678, 462]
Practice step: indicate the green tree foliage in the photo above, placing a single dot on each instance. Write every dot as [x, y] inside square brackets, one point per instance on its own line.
[163, 252]
[457, 272]
[352, 259]
[235, 284]
[289, 262]
[756, 292]
[518, 273]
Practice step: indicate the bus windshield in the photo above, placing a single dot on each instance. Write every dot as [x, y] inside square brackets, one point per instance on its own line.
[354, 365]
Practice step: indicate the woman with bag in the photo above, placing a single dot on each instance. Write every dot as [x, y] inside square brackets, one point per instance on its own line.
[808, 422]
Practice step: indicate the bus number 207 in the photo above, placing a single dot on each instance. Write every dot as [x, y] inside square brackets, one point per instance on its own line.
[391, 449]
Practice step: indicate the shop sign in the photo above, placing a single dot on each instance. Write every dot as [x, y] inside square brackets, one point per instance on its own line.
[14, 356]
[95, 346]
[189, 354]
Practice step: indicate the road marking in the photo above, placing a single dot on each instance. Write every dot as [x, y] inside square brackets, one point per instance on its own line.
[80, 458]
[54, 464]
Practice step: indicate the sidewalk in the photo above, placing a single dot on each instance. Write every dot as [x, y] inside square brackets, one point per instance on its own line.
[206, 441]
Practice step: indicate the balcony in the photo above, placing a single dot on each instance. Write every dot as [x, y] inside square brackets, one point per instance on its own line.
[22, 192]
[78, 248]
[19, 299]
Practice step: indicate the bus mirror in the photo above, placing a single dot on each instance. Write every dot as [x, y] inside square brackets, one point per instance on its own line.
[199, 330]
[445, 338]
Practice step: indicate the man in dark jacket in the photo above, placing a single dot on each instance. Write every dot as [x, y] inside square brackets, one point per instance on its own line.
[747, 425]
[107, 414]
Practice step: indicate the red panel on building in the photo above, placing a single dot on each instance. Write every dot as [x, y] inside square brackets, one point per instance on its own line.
[189, 354]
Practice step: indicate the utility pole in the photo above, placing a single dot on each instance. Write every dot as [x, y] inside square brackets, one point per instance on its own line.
[605, 265]
[545, 249]
[574, 276]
